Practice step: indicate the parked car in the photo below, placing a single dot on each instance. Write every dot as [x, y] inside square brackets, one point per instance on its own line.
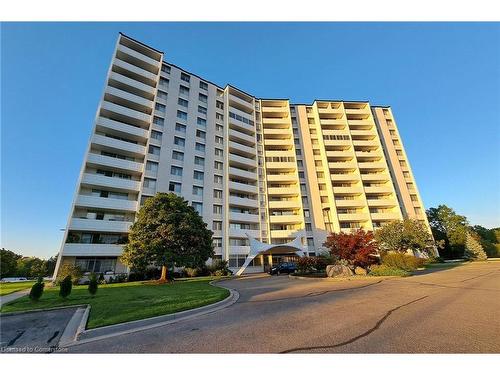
[288, 267]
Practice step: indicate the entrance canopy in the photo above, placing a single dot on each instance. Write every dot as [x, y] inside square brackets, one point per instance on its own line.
[257, 248]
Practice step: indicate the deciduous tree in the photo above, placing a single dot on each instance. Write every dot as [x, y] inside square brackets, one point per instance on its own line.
[447, 225]
[358, 248]
[404, 235]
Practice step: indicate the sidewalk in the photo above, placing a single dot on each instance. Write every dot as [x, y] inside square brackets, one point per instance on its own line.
[13, 296]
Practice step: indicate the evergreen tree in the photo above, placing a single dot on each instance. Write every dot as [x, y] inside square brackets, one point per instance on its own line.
[473, 248]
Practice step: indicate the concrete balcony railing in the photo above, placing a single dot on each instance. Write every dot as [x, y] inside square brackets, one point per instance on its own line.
[350, 203]
[276, 121]
[110, 203]
[366, 122]
[99, 225]
[236, 172]
[284, 204]
[249, 151]
[139, 56]
[360, 142]
[337, 142]
[113, 76]
[285, 219]
[122, 127]
[112, 182]
[239, 250]
[344, 177]
[243, 202]
[278, 142]
[339, 154]
[292, 177]
[240, 160]
[364, 133]
[135, 69]
[286, 133]
[386, 216]
[291, 234]
[361, 216]
[118, 144]
[283, 191]
[275, 111]
[342, 165]
[382, 202]
[92, 249]
[107, 161]
[125, 95]
[127, 112]
[245, 218]
[378, 189]
[245, 188]
[375, 177]
[236, 135]
[234, 100]
[372, 165]
[242, 233]
[358, 111]
[347, 189]
[281, 166]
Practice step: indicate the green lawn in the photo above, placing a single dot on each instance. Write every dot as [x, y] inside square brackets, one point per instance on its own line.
[118, 303]
[7, 288]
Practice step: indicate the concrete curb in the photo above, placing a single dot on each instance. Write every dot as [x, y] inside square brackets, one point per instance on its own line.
[39, 310]
[72, 329]
[350, 278]
[81, 336]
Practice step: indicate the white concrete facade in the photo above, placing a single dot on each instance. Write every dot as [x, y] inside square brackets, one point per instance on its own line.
[275, 171]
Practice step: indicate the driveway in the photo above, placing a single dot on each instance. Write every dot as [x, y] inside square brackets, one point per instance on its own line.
[452, 310]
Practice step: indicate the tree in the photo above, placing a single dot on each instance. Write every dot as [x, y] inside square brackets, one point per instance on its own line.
[31, 267]
[37, 289]
[404, 235]
[168, 232]
[51, 264]
[490, 240]
[93, 284]
[473, 248]
[450, 227]
[71, 270]
[8, 263]
[65, 287]
[358, 248]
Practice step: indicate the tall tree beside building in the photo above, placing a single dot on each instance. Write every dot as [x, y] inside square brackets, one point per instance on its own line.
[168, 232]
[404, 235]
[448, 226]
[473, 248]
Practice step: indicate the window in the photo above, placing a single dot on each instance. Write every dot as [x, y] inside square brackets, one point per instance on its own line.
[158, 121]
[219, 128]
[217, 194]
[149, 183]
[197, 190]
[197, 175]
[156, 135]
[298, 151]
[217, 225]
[217, 179]
[203, 85]
[310, 243]
[176, 155]
[199, 161]
[219, 116]
[316, 152]
[218, 165]
[217, 242]
[202, 122]
[152, 166]
[175, 171]
[320, 174]
[174, 186]
[414, 197]
[399, 153]
[203, 98]
[201, 134]
[200, 147]
[165, 69]
[182, 102]
[198, 206]
[185, 77]
[308, 227]
[160, 107]
[162, 95]
[183, 90]
[163, 82]
[217, 209]
[180, 128]
[154, 150]
[318, 163]
[307, 213]
[181, 142]
[402, 163]
[182, 115]
[219, 152]
[418, 210]
[406, 174]
[410, 186]
[219, 104]
[219, 140]
[202, 110]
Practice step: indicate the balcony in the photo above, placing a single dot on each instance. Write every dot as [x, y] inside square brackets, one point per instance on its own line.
[361, 216]
[236, 186]
[278, 142]
[238, 147]
[239, 250]
[291, 234]
[107, 123]
[135, 69]
[337, 123]
[118, 144]
[236, 172]
[363, 133]
[368, 154]
[109, 203]
[245, 218]
[118, 79]
[284, 204]
[347, 189]
[99, 225]
[240, 104]
[240, 160]
[283, 191]
[386, 216]
[285, 133]
[358, 111]
[145, 59]
[331, 111]
[91, 249]
[337, 142]
[375, 177]
[372, 165]
[285, 219]
[360, 123]
[123, 97]
[363, 142]
[339, 154]
[140, 119]
[112, 182]
[290, 166]
[378, 189]
[125, 165]
[242, 137]
[342, 165]
[274, 111]
[344, 177]
[350, 203]
[243, 202]
[242, 233]
[292, 177]
[382, 202]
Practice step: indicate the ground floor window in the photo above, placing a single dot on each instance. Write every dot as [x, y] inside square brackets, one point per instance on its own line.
[96, 265]
[237, 260]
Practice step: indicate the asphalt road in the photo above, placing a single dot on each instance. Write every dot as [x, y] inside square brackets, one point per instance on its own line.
[455, 310]
[35, 332]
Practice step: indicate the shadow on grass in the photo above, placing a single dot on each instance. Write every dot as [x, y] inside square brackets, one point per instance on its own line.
[436, 267]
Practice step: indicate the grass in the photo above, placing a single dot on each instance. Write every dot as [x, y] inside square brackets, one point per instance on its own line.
[8, 288]
[124, 302]
[384, 270]
[445, 265]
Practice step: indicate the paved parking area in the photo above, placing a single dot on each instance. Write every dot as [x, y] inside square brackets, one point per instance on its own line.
[35, 332]
[452, 310]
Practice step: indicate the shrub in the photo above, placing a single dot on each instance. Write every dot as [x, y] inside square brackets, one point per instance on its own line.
[306, 264]
[37, 290]
[101, 279]
[191, 272]
[385, 270]
[357, 248]
[65, 287]
[136, 276]
[121, 278]
[93, 284]
[69, 270]
[110, 280]
[402, 261]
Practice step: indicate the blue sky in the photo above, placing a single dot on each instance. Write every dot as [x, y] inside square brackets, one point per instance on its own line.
[442, 81]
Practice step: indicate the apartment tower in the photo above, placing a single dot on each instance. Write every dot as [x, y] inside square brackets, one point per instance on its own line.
[264, 168]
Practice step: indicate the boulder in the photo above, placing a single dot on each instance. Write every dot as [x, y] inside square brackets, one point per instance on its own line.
[338, 271]
[360, 271]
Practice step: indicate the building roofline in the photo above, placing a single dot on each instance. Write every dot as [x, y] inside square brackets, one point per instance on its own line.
[141, 43]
